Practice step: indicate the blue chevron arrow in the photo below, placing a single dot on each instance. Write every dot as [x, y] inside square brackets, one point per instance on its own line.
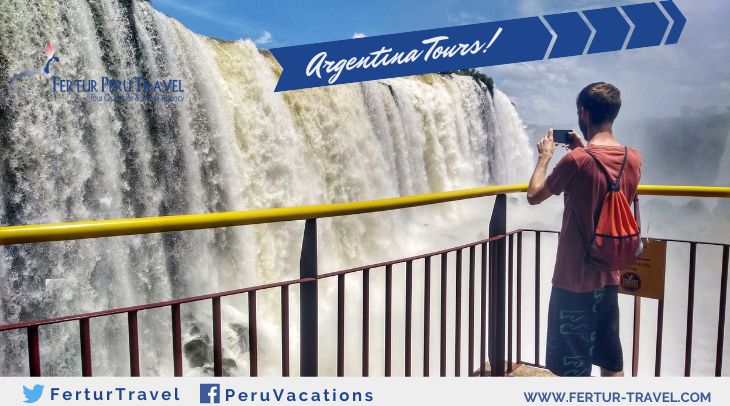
[650, 25]
[483, 44]
[572, 32]
[611, 29]
[678, 19]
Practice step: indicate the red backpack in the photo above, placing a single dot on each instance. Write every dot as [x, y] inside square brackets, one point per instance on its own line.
[616, 240]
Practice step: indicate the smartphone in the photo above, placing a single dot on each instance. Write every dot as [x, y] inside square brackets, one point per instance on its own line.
[562, 136]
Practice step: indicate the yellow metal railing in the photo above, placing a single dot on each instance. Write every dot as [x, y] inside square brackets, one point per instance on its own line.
[145, 225]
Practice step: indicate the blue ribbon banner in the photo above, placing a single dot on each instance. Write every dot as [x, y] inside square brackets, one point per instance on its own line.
[485, 44]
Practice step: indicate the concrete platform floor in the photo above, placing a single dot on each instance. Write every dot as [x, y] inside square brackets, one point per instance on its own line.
[519, 370]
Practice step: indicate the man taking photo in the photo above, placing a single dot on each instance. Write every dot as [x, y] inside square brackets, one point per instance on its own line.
[583, 315]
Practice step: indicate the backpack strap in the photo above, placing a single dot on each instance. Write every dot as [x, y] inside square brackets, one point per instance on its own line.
[612, 186]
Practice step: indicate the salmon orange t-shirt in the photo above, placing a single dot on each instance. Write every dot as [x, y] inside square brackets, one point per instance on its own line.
[585, 186]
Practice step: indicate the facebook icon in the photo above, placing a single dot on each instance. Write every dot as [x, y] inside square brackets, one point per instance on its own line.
[210, 393]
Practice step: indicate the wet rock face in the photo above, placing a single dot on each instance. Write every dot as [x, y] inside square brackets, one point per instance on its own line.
[230, 367]
[242, 334]
[197, 351]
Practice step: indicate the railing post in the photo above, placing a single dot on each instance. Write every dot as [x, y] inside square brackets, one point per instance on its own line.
[721, 317]
[85, 331]
[285, 330]
[690, 308]
[133, 328]
[177, 340]
[366, 322]
[252, 335]
[498, 227]
[308, 301]
[637, 336]
[218, 338]
[34, 351]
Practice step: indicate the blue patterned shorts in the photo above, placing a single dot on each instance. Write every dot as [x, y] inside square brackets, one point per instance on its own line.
[583, 330]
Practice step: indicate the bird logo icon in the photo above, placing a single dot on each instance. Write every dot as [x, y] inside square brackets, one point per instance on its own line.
[32, 395]
[50, 51]
[50, 57]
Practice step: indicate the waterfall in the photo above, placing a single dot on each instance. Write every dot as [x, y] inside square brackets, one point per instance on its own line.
[230, 144]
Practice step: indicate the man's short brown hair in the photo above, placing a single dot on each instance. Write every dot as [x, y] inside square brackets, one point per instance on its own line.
[601, 100]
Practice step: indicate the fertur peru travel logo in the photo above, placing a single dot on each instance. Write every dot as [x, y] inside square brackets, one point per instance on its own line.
[51, 57]
[32, 395]
[102, 88]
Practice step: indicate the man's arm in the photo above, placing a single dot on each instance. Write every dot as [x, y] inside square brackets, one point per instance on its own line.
[537, 191]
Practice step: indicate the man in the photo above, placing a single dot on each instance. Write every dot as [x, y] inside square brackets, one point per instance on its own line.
[583, 318]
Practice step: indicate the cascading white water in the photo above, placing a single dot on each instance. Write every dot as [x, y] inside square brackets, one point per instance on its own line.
[231, 144]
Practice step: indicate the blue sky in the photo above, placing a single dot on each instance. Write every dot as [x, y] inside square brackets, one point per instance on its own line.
[655, 82]
[300, 22]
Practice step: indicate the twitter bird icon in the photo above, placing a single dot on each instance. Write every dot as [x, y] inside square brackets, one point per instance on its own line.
[32, 395]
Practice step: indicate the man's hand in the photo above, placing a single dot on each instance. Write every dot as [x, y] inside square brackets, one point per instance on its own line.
[577, 141]
[537, 191]
[546, 146]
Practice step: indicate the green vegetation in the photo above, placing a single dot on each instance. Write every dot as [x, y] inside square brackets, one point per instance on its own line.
[478, 76]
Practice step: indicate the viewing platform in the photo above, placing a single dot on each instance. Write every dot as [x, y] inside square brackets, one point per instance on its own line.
[488, 274]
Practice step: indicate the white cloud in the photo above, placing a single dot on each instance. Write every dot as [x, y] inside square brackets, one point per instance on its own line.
[358, 35]
[463, 17]
[530, 8]
[264, 38]
[204, 13]
[214, 13]
[655, 81]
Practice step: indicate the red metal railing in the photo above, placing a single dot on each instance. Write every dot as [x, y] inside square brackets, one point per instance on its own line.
[132, 312]
[387, 267]
[691, 275]
[308, 312]
[490, 263]
[32, 328]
